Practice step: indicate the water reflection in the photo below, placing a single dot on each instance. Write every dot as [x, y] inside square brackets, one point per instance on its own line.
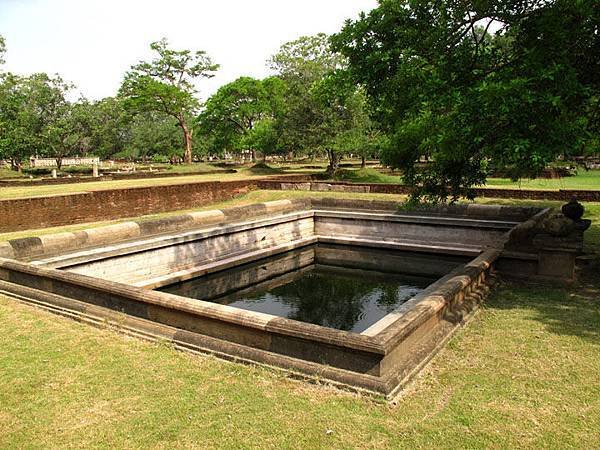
[333, 300]
[304, 285]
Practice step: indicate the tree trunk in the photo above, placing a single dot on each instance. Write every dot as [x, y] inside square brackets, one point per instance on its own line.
[16, 164]
[363, 162]
[58, 162]
[187, 140]
[334, 162]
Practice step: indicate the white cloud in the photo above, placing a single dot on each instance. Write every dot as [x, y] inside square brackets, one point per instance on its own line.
[93, 42]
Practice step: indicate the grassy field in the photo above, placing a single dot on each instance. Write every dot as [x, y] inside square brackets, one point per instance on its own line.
[524, 373]
[584, 180]
[60, 189]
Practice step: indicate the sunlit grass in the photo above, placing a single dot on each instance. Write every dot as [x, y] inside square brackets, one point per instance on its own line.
[583, 180]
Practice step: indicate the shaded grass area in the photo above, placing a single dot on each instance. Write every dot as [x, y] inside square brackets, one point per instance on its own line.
[524, 373]
[585, 180]
[265, 169]
[6, 172]
[185, 168]
[367, 176]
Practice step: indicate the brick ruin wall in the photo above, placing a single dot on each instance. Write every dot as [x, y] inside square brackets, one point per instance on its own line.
[42, 212]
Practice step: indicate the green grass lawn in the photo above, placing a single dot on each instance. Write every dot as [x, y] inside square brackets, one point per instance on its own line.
[524, 373]
[584, 180]
[60, 189]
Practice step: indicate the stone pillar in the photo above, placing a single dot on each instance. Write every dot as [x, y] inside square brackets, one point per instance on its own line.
[95, 170]
[53, 173]
[560, 242]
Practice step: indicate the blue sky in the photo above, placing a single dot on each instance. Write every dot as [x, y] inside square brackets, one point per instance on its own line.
[92, 43]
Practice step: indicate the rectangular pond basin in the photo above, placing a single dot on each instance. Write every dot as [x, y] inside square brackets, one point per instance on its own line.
[353, 292]
[341, 287]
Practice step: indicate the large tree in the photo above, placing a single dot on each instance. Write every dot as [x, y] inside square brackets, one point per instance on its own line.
[306, 122]
[153, 134]
[110, 126]
[231, 114]
[30, 108]
[341, 122]
[69, 130]
[469, 85]
[306, 60]
[166, 85]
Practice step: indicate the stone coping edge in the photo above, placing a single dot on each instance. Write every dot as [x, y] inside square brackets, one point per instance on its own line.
[36, 246]
[60, 242]
[11, 271]
[195, 343]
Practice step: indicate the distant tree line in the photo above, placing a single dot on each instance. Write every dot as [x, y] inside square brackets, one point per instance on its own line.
[308, 108]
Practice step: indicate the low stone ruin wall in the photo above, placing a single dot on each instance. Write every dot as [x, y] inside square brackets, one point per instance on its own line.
[401, 189]
[51, 162]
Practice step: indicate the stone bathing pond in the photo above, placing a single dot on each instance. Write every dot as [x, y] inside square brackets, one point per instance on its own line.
[358, 293]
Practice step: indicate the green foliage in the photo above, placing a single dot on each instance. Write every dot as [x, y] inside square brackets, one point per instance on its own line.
[231, 114]
[325, 112]
[110, 127]
[32, 113]
[468, 84]
[154, 134]
[306, 60]
[69, 130]
[263, 137]
[166, 86]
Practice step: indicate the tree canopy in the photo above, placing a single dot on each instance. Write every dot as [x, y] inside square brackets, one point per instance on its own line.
[32, 115]
[321, 102]
[166, 85]
[472, 86]
[231, 114]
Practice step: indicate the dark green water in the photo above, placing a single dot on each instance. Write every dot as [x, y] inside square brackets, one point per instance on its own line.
[351, 303]
[298, 286]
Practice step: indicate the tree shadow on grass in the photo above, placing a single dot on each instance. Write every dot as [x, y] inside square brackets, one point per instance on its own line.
[573, 311]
